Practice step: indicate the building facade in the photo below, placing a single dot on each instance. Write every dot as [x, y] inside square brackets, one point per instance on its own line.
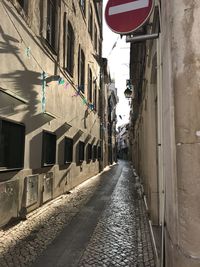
[164, 127]
[112, 122]
[49, 100]
[108, 114]
[123, 145]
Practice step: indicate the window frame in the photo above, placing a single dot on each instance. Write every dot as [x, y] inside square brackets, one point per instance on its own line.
[69, 47]
[81, 70]
[95, 97]
[46, 164]
[99, 153]
[83, 6]
[95, 37]
[24, 5]
[66, 158]
[100, 47]
[94, 153]
[7, 155]
[81, 151]
[89, 152]
[90, 21]
[52, 8]
[90, 84]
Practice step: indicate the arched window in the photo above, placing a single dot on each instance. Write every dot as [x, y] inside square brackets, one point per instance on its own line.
[95, 96]
[82, 4]
[69, 46]
[52, 17]
[90, 22]
[81, 70]
[89, 84]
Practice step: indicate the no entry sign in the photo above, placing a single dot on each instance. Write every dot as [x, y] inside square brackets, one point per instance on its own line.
[126, 16]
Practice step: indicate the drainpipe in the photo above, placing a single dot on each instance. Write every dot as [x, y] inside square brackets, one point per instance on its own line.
[161, 180]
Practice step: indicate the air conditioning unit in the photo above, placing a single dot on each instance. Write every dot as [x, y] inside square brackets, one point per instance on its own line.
[9, 199]
[47, 186]
[31, 190]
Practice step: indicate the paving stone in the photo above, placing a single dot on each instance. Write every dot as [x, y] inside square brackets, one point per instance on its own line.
[121, 237]
[123, 226]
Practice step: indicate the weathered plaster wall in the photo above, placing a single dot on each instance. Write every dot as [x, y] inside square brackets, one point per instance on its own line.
[181, 82]
[21, 74]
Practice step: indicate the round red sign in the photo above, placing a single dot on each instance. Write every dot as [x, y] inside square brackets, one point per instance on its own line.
[126, 16]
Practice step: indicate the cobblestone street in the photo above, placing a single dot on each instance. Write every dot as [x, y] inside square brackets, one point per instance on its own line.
[102, 222]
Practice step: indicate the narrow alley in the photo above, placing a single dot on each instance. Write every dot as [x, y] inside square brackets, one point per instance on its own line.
[102, 222]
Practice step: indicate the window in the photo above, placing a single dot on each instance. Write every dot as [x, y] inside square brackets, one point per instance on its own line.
[81, 70]
[90, 21]
[81, 148]
[100, 47]
[94, 153]
[89, 84]
[99, 152]
[48, 149]
[12, 137]
[89, 152]
[68, 157]
[52, 16]
[82, 4]
[69, 46]
[95, 37]
[23, 4]
[95, 96]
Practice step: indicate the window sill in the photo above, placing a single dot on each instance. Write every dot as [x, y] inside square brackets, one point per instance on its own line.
[68, 162]
[4, 169]
[48, 165]
[49, 115]
[13, 95]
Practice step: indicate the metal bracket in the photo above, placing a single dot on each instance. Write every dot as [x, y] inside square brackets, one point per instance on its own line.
[141, 38]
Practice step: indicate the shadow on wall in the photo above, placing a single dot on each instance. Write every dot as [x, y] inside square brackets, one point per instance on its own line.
[35, 155]
[61, 153]
[62, 130]
[22, 83]
[34, 39]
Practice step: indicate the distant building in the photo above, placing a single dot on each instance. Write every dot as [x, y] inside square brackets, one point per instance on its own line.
[112, 121]
[123, 142]
[108, 115]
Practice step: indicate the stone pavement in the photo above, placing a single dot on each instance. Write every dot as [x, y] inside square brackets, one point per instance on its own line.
[102, 222]
[122, 236]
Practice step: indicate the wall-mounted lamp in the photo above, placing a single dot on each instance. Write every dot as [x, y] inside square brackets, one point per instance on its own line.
[128, 93]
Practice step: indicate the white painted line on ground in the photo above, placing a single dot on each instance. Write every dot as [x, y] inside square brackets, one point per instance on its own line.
[128, 7]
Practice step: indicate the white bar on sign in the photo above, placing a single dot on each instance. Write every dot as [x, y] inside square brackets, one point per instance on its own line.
[128, 7]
